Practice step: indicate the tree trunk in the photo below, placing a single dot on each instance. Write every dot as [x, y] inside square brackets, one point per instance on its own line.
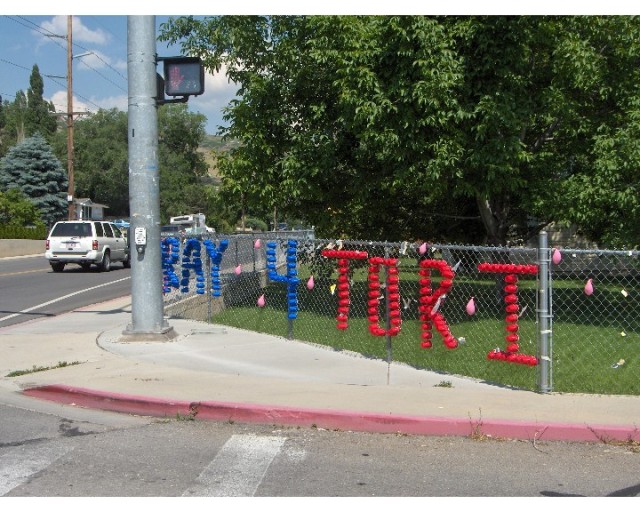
[494, 220]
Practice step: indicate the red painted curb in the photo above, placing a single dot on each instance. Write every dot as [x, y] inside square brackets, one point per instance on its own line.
[333, 419]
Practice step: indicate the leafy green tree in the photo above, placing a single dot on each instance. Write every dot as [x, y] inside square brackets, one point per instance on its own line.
[544, 96]
[332, 129]
[183, 169]
[16, 112]
[475, 128]
[16, 210]
[27, 115]
[32, 168]
[101, 170]
[3, 128]
[39, 116]
[598, 186]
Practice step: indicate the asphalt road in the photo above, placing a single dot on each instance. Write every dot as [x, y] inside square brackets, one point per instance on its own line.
[74, 453]
[30, 289]
[54, 450]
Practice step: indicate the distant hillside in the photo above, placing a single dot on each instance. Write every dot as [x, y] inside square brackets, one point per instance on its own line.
[215, 143]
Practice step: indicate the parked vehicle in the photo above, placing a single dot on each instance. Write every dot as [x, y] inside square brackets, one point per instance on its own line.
[172, 230]
[193, 224]
[86, 243]
[121, 223]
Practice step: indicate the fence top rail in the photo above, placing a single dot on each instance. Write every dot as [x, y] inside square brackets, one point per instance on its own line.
[309, 235]
[600, 252]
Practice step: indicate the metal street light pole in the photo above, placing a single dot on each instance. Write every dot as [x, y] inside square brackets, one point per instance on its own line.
[147, 308]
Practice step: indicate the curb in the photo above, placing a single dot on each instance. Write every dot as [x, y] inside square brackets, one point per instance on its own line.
[332, 419]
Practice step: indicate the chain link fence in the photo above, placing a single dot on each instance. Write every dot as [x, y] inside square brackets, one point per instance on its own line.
[538, 318]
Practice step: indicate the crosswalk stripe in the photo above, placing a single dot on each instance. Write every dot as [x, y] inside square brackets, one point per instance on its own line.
[18, 465]
[238, 468]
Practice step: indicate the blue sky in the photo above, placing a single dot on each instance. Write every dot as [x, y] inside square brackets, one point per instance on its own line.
[100, 78]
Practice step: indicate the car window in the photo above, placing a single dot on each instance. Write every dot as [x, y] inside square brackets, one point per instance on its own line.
[117, 231]
[78, 229]
[99, 230]
[170, 229]
[107, 230]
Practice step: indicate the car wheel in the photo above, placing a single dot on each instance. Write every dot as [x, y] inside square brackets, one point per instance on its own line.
[126, 263]
[105, 266]
[57, 266]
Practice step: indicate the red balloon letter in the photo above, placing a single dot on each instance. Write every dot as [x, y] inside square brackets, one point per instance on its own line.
[512, 309]
[429, 302]
[344, 301]
[393, 296]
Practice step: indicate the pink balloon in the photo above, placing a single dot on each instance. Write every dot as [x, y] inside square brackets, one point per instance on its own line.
[257, 244]
[261, 301]
[238, 270]
[423, 248]
[311, 283]
[588, 288]
[557, 256]
[471, 307]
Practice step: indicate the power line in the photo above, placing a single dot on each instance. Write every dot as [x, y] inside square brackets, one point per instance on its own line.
[36, 28]
[98, 73]
[30, 25]
[64, 86]
[50, 77]
[14, 64]
[101, 60]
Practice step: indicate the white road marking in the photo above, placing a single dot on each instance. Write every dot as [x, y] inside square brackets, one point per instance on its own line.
[18, 465]
[238, 468]
[61, 298]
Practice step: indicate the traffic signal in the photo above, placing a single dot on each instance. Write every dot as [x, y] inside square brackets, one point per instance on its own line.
[183, 76]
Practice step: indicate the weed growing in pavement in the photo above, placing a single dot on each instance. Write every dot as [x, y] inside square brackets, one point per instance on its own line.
[191, 416]
[34, 369]
[444, 384]
[631, 443]
[476, 429]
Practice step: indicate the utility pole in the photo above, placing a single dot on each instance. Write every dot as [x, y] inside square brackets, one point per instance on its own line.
[69, 115]
[147, 307]
[70, 156]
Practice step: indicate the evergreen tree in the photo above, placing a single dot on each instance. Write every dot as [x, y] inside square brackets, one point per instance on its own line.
[3, 128]
[16, 114]
[32, 168]
[38, 116]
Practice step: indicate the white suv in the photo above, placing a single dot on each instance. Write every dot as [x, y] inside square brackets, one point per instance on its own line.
[86, 242]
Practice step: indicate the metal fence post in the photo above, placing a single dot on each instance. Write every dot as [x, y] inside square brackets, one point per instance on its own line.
[543, 313]
[387, 318]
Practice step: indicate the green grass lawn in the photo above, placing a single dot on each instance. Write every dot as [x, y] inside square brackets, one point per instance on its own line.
[583, 354]
[590, 333]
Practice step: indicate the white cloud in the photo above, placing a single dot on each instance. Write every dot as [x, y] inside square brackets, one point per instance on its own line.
[120, 102]
[59, 100]
[218, 92]
[58, 25]
[219, 81]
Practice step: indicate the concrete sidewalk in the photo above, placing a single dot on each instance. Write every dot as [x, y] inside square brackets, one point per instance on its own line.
[221, 373]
